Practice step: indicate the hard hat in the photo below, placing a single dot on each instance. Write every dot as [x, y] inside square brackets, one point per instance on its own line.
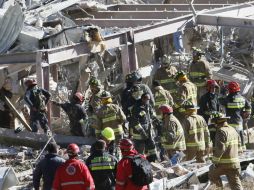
[189, 105]
[108, 133]
[126, 144]
[73, 149]
[211, 83]
[105, 94]
[179, 74]
[30, 82]
[166, 59]
[197, 51]
[94, 82]
[233, 87]
[218, 116]
[166, 109]
[78, 96]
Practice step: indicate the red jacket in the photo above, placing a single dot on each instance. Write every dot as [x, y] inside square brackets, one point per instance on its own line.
[124, 170]
[73, 175]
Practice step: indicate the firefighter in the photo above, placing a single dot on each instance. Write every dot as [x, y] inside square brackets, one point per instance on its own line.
[172, 138]
[161, 96]
[225, 156]
[94, 101]
[76, 113]
[196, 132]
[237, 108]
[141, 127]
[124, 167]
[208, 104]
[102, 166]
[186, 91]
[165, 75]
[110, 115]
[199, 71]
[73, 174]
[37, 99]
[5, 112]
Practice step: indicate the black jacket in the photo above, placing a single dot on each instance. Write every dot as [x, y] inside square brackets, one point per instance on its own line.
[46, 169]
[102, 166]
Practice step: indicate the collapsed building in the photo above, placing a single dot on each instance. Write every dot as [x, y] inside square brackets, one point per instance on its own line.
[52, 42]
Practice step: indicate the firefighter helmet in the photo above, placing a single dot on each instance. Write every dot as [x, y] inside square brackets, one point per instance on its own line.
[72, 149]
[233, 87]
[128, 78]
[189, 105]
[218, 117]
[78, 96]
[196, 51]
[94, 82]
[180, 74]
[136, 76]
[166, 109]
[30, 82]
[105, 94]
[126, 145]
[108, 133]
[211, 83]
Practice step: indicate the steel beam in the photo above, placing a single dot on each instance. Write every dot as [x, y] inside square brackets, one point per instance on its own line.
[163, 7]
[18, 58]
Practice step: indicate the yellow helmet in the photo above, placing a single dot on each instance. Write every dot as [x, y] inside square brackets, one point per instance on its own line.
[108, 133]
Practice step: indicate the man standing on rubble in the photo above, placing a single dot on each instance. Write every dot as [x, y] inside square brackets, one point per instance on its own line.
[37, 99]
[196, 132]
[73, 174]
[76, 113]
[237, 108]
[186, 91]
[46, 168]
[165, 75]
[225, 156]
[172, 134]
[199, 71]
[110, 114]
[95, 101]
[102, 166]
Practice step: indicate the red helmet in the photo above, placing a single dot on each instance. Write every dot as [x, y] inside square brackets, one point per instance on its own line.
[166, 108]
[79, 96]
[211, 83]
[126, 144]
[72, 149]
[30, 82]
[233, 87]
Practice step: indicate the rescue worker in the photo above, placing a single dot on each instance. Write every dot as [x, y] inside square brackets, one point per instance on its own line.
[110, 115]
[94, 101]
[141, 127]
[161, 96]
[237, 108]
[73, 174]
[225, 156]
[102, 166]
[46, 168]
[124, 167]
[5, 113]
[208, 104]
[108, 135]
[76, 113]
[172, 136]
[196, 132]
[165, 75]
[37, 99]
[186, 91]
[199, 71]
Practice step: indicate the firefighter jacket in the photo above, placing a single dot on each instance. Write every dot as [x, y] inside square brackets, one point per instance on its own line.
[95, 101]
[235, 104]
[186, 91]
[75, 113]
[208, 103]
[162, 96]
[196, 132]
[166, 78]
[227, 143]
[73, 174]
[46, 169]
[110, 115]
[124, 172]
[141, 121]
[172, 134]
[103, 169]
[199, 72]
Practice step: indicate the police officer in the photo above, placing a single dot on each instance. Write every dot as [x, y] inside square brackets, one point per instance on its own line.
[37, 99]
[196, 132]
[199, 71]
[165, 75]
[102, 166]
[76, 113]
[237, 108]
[225, 156]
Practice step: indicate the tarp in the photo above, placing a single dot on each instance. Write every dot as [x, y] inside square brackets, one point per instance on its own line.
[8, 178]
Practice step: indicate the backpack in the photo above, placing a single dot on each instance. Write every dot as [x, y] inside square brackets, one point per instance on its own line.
[39, 100]
[141, 170]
